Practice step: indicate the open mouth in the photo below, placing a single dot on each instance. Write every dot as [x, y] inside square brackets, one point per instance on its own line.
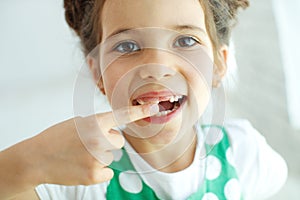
[168, 106]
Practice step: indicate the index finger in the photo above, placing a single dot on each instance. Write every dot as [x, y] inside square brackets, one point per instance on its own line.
[126, 115]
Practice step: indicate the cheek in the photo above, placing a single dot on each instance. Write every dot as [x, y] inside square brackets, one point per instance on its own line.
[199, 92]
[116, 83]
[110, 80]
[199, 74]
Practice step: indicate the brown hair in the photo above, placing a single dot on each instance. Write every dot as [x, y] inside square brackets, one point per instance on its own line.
[84, 17]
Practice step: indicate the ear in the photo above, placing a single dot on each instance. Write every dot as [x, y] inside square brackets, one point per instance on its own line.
[220, 65]
[95, 70]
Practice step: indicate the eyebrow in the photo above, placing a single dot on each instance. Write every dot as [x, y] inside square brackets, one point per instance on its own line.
[188, 27]
[177, 28]
[121, 30]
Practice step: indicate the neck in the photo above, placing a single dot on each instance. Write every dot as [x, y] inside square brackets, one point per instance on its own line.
[169, 158]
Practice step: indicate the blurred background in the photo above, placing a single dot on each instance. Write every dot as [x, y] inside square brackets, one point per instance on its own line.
[267, 86]
[40, 57]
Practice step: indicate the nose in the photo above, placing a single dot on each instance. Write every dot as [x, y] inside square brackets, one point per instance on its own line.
[157, 66]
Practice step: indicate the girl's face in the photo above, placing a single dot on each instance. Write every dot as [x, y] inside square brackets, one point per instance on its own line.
[157, 51]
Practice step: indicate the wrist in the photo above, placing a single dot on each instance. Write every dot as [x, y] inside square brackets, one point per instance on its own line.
[30, 162]
[16, 173]
[21, 158]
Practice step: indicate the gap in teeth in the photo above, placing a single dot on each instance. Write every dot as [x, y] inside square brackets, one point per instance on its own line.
[171, 99]
[165, 112]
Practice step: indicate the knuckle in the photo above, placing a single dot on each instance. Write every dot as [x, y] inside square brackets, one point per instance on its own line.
[97, 175]
[120, 143]
[107, 175]
[93, 143]
[109, 158]
[115, 139]
[91, 174]
[91, 178]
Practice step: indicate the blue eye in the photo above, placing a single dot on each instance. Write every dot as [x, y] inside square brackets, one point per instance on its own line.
[127, 47]
[185, 41]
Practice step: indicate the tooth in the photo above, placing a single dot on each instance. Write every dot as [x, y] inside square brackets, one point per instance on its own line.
[163, 113]
[158, 114]
[169, 111]
[176, 98]
[171, 99]
[140, 101]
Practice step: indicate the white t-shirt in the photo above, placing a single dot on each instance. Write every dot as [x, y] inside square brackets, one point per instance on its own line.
[261, 171]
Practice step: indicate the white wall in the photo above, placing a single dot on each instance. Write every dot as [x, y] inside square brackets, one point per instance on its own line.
[288, 25]
[39, 59]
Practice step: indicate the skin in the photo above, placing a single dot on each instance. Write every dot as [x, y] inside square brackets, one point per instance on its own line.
[175, 139]
[59, 156]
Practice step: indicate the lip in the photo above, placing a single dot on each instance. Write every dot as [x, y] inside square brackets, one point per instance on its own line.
[156, 94]
[163, 119]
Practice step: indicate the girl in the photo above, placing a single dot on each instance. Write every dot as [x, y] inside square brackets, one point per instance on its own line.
[157, 62]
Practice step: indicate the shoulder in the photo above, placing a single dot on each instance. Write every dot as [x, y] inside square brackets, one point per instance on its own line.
[242, 135]
[262, 171]
[62, 192]
[241, 127]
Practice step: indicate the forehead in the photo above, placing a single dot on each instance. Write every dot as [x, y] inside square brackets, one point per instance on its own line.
[130, 14]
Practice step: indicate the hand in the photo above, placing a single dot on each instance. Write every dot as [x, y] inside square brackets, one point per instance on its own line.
[78, 151]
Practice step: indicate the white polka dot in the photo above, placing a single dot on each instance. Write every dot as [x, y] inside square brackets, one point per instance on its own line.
[131, 182]
[232, 190]
[229, 156]
[214, 167]
[117, 154]
[210, 196]
[213, 135]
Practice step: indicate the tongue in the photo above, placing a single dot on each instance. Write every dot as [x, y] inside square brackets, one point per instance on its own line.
[165, 105]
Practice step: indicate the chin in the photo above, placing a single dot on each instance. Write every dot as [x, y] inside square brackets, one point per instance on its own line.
[160, 134]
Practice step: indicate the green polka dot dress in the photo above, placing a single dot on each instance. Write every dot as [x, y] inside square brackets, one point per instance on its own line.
[220, 183]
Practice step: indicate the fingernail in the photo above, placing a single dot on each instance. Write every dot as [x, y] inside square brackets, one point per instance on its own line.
[154, 108]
